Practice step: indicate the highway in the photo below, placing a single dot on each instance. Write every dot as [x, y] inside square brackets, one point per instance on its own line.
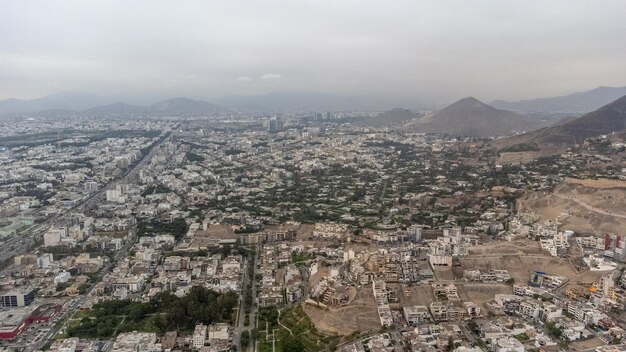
[22, 243]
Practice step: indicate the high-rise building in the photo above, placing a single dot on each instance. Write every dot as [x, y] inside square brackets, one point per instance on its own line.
[18, 298]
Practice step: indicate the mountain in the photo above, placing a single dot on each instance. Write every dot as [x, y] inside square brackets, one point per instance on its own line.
[116, 109]
[73, 103]
[185, 106]
[471, 117]
[388, 118]
[298, 101]
[69, 100]
[578, 103]
[173, 106]
[607, 119]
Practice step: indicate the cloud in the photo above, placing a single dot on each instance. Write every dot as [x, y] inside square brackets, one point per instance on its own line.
[272, 76]
[428, 52]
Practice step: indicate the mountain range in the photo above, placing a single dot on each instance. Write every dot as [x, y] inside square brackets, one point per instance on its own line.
[299, 101]
[388, 118]
[576, 103]
[173, 106]
[605, 120]
[68, 100]
[274, 102]
[466, 117]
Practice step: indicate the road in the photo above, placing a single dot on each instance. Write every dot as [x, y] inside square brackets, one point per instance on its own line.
[241, 312]
[78, 302]
[248, 283]
[589, 206]
[253, 287]
[23, 242]
[86, 204]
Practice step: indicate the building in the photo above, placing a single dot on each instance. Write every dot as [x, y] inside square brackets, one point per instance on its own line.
[62, 278]
[508, 344]
[52, 237]
[440, 260]
[18, 298]
[219, 337]
[136, 342]
[12, 322]
[199, 336]
[330, 230]
[169, 340]
[416, 315]
[379, 288]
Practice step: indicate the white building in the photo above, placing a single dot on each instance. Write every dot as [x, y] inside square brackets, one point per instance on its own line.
[44, 260]
[199, 336]
[416, 315]
[508, 344]
[62, 278]
[53, 236]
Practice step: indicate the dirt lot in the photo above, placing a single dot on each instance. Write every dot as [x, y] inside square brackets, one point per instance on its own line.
[480, 293]
[519, 266]
[584, 206]
[585, 345]
[521, 247]
[417, 295]
[583, 277]
[360, 315]
[217, 232]
[599, 183]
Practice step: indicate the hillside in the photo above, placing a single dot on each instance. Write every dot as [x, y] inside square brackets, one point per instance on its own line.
[607, 119]
[577, 103]
[115, 109]
[392, 117]
[174, 106]
[185, 106]
[471, 117]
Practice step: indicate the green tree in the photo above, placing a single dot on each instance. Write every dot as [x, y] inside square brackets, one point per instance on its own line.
[293, 344]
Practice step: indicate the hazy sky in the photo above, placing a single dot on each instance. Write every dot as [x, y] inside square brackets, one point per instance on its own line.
[427, 51]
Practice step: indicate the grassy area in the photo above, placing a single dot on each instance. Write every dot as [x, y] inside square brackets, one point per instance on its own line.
[297, 332]
[162, 313]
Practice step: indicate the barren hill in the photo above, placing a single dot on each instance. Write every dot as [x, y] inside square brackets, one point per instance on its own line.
[471, 117]
[607, 119]
[388, 118]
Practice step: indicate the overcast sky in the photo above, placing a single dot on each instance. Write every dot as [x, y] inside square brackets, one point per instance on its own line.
[426, 51]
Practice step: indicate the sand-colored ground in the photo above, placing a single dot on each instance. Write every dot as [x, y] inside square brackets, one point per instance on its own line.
[599, 183]
[519, 266]
[582, 279]
[480, 293]
[417, 295]
[584, 206]
[585, 345]
[360, 315]
[521, 247]
[476, 292]
[218, 232]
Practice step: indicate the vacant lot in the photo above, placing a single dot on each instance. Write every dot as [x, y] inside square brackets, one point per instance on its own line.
[584, 206]
[519, 266]
[586, 345]
[361, 315]
[520, 247]
[480, 293]
[599, 183]
[418, 295]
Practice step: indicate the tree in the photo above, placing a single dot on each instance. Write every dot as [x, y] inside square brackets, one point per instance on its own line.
[293, 344]
[245, 339]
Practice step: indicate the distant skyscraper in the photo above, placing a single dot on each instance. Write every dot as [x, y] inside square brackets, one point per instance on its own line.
[274, 124]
